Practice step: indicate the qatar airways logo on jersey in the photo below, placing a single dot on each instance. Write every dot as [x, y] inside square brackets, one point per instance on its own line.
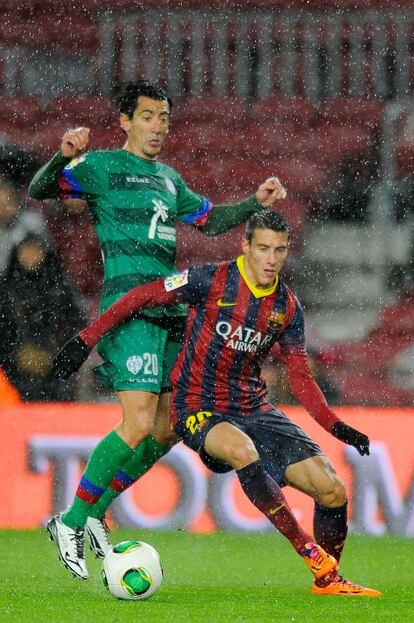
[241, 338]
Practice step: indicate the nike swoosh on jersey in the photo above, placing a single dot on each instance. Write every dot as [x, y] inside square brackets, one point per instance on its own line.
[222, 303]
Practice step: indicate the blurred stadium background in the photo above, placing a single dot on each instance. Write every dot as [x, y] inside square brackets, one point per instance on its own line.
[319, 93]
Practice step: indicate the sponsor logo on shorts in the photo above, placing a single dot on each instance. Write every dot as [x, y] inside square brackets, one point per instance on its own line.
[202, 424]
[176, 281]
[194, 423]
[134, 364]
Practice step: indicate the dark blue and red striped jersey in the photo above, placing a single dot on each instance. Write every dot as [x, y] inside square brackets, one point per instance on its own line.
[231, 328]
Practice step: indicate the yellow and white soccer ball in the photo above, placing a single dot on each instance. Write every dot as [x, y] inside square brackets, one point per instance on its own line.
[132, 570]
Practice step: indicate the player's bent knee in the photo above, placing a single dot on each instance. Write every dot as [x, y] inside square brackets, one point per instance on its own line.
[141, 427]
[134, 429]
[230, 445]
[241, 455]
[334, 495]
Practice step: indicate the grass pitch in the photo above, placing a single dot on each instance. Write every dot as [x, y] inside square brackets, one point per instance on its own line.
[232, 578]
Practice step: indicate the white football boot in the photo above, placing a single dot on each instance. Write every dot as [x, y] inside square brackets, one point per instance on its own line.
[97, 534]
[71, 546]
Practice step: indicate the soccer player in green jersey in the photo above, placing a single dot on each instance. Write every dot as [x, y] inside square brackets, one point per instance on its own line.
[135, 202]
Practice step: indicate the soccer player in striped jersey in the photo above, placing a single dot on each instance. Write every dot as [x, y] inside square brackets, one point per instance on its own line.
[135, 202]
[220, 407]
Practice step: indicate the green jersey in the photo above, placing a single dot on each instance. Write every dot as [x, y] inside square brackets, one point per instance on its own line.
[135, 205]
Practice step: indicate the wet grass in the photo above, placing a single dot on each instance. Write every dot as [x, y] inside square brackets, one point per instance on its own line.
[234, 578]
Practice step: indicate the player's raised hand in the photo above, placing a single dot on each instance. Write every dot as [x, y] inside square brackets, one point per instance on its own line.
[74, 142]
[70, 358]
[270, 191]
[351, 436]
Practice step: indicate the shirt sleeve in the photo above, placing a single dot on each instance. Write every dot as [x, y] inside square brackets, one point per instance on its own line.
[190, 286]
[44, 184]
[307, 391]
[209, 218]
[162, 292]
[301, 380]
[193, 209]
[80, 180]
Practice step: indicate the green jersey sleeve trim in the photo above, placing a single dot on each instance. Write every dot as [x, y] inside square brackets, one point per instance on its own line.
[67, 178]
[225, 217]
[191, 206]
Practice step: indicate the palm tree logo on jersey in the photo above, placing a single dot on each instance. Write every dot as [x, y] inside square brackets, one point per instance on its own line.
[160, 212]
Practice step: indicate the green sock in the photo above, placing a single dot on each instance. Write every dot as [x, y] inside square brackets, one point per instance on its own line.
[106, 459]
[145, 455]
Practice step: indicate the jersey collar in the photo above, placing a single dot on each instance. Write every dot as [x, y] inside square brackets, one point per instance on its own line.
[257, 292]
[140, 158]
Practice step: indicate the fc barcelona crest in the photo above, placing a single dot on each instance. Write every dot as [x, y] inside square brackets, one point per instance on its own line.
[276, 320]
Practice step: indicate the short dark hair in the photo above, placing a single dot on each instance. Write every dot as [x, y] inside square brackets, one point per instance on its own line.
[127, 99]
[266, 219]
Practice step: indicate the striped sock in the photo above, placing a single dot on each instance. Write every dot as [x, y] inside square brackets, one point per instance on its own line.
[107, 458]
[145, 455]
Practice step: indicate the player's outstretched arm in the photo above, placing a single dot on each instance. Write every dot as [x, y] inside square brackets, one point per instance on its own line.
[70, 358]
[308, 393]
[226, 216]
[44, 184]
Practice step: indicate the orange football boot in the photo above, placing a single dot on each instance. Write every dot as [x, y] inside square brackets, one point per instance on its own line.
[344, 588]
[318, 561]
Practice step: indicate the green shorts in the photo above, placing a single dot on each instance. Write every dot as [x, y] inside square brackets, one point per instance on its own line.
[140, 354]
